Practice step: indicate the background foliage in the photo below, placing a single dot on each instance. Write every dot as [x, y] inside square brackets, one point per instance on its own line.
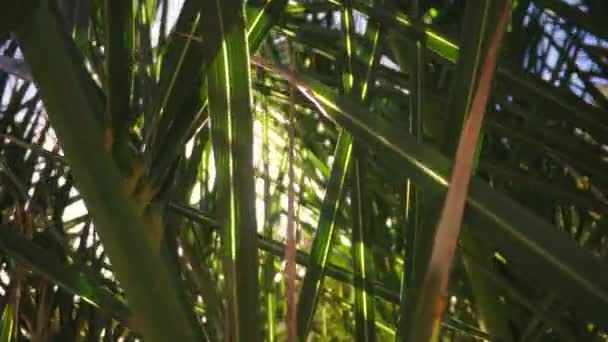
[144, 176]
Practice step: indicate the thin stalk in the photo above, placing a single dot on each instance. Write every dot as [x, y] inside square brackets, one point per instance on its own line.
[290, 251]
[356, 85]
[268, 267]
[412, 195]
[430, 306]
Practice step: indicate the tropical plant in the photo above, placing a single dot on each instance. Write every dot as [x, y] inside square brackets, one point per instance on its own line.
[164, 164]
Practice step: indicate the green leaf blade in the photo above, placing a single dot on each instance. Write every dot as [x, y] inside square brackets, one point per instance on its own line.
[311, 285]
[228, 84]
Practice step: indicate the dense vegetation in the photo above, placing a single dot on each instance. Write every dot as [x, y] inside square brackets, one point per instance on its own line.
[157, 156]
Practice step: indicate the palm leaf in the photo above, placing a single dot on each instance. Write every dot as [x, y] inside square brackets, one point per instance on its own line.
[507, 223]
[72, 277]
[311, 285]
[118, 217]
[228, 86]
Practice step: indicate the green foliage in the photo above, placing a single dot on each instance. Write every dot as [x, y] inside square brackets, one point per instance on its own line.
[143, 184]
